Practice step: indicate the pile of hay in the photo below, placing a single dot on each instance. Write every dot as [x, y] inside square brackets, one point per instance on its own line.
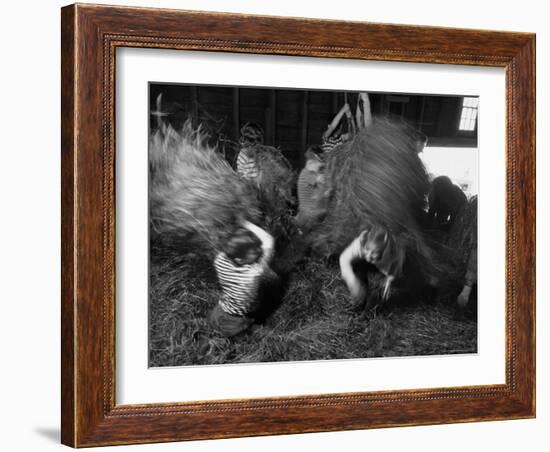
[193, 190]
[312, 323]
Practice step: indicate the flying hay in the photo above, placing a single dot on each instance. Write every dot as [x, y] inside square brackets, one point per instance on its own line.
[274, 180]
[377, 178]
[193, 190]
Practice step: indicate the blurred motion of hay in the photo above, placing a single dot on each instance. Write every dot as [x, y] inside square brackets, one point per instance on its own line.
[275, 171]
[193, 189]
[274, 185]
[377, 177]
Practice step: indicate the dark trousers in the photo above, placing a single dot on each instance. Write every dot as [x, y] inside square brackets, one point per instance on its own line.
[269, 296]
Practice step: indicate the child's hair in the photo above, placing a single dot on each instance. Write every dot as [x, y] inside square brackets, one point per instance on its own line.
[314, 159]
[243, 247]
[375, 241]
[251, 134]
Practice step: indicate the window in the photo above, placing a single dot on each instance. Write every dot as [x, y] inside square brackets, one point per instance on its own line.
[468, 116]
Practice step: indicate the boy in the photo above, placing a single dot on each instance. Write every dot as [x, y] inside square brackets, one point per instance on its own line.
[242, 266]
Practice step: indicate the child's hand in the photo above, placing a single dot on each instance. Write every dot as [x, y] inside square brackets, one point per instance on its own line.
[464, 297]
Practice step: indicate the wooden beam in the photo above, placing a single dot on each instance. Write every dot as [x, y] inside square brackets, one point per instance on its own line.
[273, 116]
[304, 125]
[236, 114]
[334, 105]
[195, 103]
[420, 125]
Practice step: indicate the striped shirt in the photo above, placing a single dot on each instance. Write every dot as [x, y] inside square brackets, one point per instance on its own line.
[241, 283]
[332, 142]
[247, 165]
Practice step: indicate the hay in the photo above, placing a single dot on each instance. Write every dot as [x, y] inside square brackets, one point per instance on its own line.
[378, 178]
[274, 186]
[275, 173]
[375, 178]
[312, 323]
[193, 190]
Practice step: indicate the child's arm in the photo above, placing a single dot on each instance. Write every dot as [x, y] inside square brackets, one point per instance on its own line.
[366, 113]
[471, 279]
[334, 123]
[265, 237]
[352, 252]
[352, 129]
[359, 114]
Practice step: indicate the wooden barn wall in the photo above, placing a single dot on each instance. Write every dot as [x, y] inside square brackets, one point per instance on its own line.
[292, 120]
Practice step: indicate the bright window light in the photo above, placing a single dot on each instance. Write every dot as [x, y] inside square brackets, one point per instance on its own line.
[468, 116]
[459, 164]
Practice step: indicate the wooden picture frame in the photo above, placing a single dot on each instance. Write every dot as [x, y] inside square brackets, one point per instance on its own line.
[90, 36]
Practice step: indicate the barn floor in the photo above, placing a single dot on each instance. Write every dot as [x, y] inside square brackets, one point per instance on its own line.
[313, 322]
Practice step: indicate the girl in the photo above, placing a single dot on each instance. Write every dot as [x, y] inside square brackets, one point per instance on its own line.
[377, 246]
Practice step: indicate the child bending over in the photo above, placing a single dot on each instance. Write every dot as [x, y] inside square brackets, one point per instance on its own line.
[377, 246]
[242, 267]
[311, 188]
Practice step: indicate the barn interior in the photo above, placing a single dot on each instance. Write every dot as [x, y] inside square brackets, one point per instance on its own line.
[314, 321]
[294, 119]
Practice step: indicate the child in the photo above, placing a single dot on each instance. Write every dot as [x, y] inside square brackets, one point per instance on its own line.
[446, 203]
[333, 135]
[247, 164]
[242, 266]
[377, 246]
[311, 190]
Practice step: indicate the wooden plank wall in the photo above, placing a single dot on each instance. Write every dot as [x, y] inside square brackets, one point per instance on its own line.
[292, 120]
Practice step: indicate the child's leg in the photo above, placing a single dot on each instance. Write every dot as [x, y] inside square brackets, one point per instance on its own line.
[228, 324]
[270, 295]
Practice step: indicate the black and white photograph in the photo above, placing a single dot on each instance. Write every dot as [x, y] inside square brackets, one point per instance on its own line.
[300, 225]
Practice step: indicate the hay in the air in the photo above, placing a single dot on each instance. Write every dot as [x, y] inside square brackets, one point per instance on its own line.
[193, 190]
[377, 178]
[274, 182]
